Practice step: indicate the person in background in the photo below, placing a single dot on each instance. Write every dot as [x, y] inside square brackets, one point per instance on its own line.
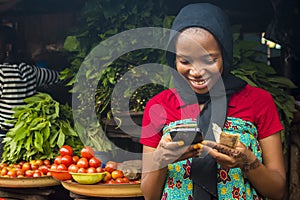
[206, 92]
[19, 78]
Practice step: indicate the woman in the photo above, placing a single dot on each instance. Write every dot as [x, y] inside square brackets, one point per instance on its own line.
[203, 54]
[19, 79]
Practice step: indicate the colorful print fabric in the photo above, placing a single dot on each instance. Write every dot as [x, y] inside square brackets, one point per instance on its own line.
[232, 183]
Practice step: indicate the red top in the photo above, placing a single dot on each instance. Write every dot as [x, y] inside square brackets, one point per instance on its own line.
[250, 104]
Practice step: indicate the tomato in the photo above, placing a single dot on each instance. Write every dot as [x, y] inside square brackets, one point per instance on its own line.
[54, 166]
[12, 173]
[73, 168]
[44, 169]
[62, 167]
[117, 174]
[57, 160]
[20, 172]
[107, 176]
[75, 159]
[2, 165]
[47, 162]
[29, 173]
[37, 174]
[67, 160]
[94, 162]
[4, 171]
[119, 180]
[125, 179]
[26, 166]
[99, 169]
[34, 166]
[81, 170]
[111, 181]
[66, 150]
[87, 152]
[39, 162]
[91, 170]
[83, 163]
[110, 166]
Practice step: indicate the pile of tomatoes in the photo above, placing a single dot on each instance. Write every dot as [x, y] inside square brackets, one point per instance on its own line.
[87, 163]
[33, 168]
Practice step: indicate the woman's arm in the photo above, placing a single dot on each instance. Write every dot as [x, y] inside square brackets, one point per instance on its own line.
[155, 162]
[46, 76]
[152, 181]
[269, 177]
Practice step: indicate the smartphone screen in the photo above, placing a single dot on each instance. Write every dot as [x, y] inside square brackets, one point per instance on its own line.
[188, 135]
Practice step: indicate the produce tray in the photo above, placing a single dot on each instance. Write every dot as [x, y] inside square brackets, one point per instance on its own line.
[23, 182]
[104, 190]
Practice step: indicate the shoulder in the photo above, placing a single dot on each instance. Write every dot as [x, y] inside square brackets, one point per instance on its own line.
[254, 93]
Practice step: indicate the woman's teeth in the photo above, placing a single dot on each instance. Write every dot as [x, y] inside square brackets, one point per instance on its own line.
[201, 82]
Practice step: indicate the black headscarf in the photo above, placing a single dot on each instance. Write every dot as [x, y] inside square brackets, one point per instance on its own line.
[214, 20]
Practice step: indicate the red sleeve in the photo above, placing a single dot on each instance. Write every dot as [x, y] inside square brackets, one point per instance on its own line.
[266, 114]
[153, 121]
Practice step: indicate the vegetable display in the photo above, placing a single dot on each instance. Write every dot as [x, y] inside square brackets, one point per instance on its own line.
[42, 127]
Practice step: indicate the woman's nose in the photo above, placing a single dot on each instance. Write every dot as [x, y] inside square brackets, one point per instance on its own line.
[197, 70]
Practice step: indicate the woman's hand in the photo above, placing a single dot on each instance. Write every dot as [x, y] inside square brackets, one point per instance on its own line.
[168, 152]
[227, 157]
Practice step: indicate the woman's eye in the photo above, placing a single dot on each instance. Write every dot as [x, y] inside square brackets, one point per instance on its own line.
[184, 62]
[209, 61]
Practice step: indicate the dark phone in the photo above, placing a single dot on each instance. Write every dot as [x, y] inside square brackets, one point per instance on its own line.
[188, 135]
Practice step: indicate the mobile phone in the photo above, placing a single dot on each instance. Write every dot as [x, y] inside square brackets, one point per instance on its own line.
[188, 135]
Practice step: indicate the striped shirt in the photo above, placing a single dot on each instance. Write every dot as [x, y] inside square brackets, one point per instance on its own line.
[17, 82]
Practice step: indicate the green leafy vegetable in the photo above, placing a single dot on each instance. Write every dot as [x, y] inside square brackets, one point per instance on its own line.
[42, 126]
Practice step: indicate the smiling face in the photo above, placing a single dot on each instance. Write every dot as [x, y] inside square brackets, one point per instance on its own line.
[198, 58]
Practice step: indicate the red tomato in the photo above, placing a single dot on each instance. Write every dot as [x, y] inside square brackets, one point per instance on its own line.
[12, 173]
[44, 169]
[91, 170]
[66, 150]
[54, 166]
[87, 152]
[62, 167]
[125, 179]
[73, 168]
[20, 172]
[39, 162]
[107, 177]
[29, 173]
[37, 174]
[4, 171]
[47, 162]
[81, 170]
[94, 162]
[75, 159]
[119, 180]
[110, 166]
[57, 160]
[67, 160]
[99, 169]
[110, 181]
[83, 163]
[34, 166]
[117, 174]
[26, 166]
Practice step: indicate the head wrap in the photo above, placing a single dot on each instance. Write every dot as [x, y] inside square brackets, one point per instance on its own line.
[214, 20]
